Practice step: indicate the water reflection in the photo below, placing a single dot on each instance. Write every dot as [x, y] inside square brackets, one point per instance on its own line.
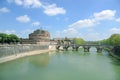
[116, 66]
[93, 49]
[40, 60]
[115, 61]
[63, 65]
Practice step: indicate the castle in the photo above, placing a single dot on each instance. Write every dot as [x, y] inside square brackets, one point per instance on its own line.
[39, 36]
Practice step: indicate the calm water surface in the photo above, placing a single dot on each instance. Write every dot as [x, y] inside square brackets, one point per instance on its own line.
[63, 65]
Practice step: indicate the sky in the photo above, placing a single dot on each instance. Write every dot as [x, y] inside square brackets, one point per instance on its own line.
[87, 19]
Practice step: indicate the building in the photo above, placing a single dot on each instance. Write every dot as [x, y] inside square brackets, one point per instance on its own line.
[38, 37]
[63, 40]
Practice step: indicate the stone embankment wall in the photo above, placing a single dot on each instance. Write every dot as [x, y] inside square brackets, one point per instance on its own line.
[8, 50]
[116, 52]
[12, 52]
[52, 47]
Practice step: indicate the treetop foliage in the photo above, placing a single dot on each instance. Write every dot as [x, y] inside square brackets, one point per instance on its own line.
[112, 40]
[11, 38]
[78, 41]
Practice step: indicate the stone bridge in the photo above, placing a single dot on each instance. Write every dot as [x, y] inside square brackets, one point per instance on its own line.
[65, 45]
[86, 47]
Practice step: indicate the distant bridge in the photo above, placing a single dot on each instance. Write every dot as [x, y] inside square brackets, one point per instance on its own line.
[86, 47]
[65, 45]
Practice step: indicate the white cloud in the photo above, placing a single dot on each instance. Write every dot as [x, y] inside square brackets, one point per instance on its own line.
[25, 33]
[70, 32]
[90, 30]
[23, 19]
[95, 36]
[67, 33]
[83, 24]
[118, 20]
[115, 30]
[27, 3]
[52, 10]
[4, 9]
[8, 31]
[104, 15]
[18, 2]
[57, 34]
[36, 23]
[32, 3]
[96, 18]
[74, 30]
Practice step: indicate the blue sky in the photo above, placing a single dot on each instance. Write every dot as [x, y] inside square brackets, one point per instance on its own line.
[88, 19]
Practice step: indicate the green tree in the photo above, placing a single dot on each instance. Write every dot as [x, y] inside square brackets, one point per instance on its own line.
[78, 41]
[3, 38]
[105, 41]
[13, 38]
[114, 39]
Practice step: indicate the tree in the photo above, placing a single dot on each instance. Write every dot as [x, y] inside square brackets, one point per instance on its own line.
[114, 39]
[105, 41]
[78, 41]
[13, 38]
[3, 37]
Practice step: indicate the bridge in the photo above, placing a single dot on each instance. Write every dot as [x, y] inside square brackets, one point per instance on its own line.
[86, 47]
[65, 45]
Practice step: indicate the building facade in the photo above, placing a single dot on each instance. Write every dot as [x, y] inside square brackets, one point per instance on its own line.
[38, 37]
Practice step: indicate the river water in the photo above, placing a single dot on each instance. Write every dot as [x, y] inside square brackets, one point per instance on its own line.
[63, 65]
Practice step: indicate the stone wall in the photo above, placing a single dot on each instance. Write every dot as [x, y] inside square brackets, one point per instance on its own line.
[52, 47]
[7, 50]
[116, 52]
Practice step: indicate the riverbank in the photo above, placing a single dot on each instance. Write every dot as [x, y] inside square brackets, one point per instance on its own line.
[16, 56]
[27, 53]
[112, 53]
[8, 50]
[62, 65]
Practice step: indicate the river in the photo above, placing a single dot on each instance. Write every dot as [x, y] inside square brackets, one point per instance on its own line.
[63, 65]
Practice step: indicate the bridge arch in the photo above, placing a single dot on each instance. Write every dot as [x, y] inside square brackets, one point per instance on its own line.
[93, 48]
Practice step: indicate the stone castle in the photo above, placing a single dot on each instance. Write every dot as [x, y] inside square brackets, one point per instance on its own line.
[38, 37]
